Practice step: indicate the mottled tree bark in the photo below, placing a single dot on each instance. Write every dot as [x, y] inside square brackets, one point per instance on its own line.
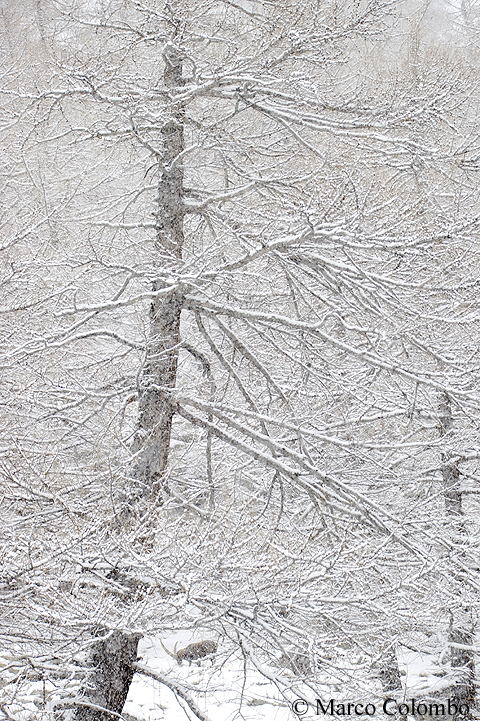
[152, 439]
[113, 657]
[106, 688]
[389, 672]
[461, 629]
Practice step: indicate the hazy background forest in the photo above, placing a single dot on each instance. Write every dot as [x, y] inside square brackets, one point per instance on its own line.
[239, 322]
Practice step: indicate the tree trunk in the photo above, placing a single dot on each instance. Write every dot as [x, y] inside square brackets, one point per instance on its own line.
[152, 440]
[106, 689]
[389, 672]
[461, 629]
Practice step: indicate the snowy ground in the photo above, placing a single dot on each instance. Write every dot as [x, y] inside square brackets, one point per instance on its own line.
[216, 685]
[219, 686]
[422, 673]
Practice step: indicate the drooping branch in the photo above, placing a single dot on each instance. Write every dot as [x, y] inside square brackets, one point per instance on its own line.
[178, 689]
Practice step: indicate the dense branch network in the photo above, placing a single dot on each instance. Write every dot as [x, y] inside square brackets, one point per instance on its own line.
[239, 265]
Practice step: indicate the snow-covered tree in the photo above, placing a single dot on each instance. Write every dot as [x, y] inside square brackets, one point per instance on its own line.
[238, 267]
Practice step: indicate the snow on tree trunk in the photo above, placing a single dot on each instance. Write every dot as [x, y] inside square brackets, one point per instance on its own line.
[106, 688]
[389, 673]
[152, 440]
[461, 630]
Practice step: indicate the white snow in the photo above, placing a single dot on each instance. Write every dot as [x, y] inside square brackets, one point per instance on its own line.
[216, 686]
